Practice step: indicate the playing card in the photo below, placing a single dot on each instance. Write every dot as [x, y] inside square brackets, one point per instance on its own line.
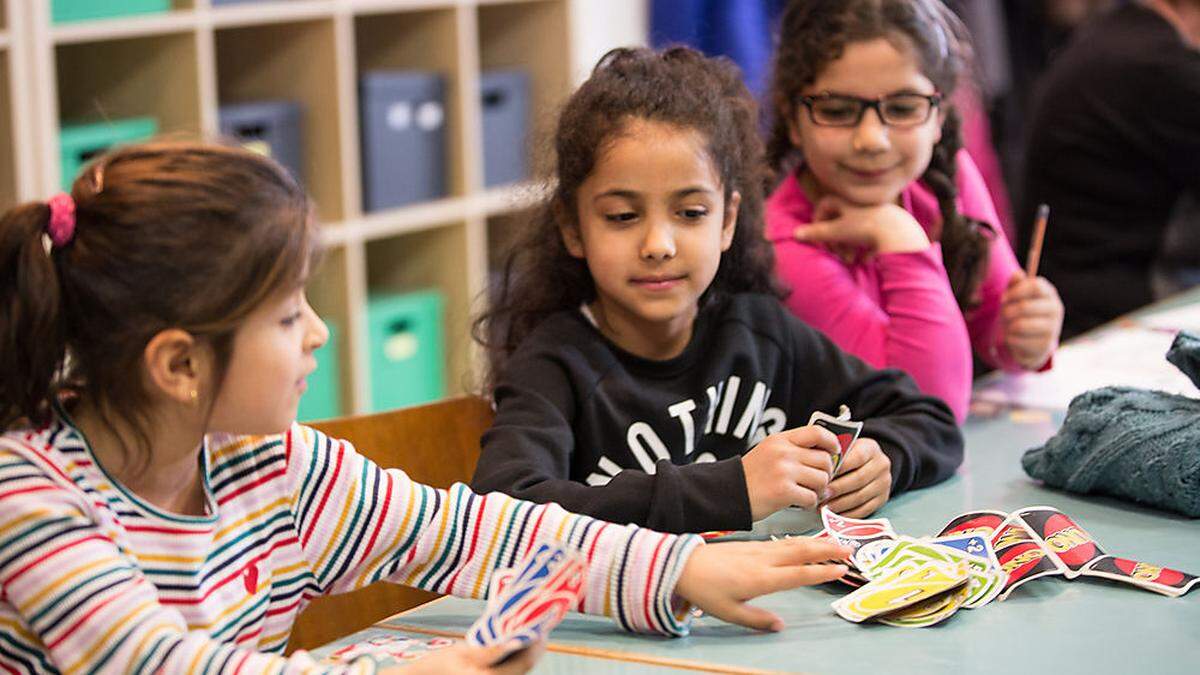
[927, 612]
[389, 649]
[901, 588]
[1021, 555]
[974, 522]
[855, 527]
[869, 553]
[986, 577]
[1143, 575]
[532, 600]
[986, 567]
[1062, 537]
[846, 431]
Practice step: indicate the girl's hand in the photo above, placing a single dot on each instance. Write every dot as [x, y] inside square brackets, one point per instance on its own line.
[865, 482]
[790, 467]
[720, 578]
[846, 228]
[1032, 316]
[470, 659]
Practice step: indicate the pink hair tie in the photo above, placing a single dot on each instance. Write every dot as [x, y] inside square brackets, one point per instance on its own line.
[61, 227]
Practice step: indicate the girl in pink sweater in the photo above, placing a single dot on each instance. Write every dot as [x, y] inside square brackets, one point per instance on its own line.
[883, 230]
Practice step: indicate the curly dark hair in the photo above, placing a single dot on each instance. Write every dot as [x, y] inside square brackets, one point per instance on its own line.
[813, 33]
[679, 87]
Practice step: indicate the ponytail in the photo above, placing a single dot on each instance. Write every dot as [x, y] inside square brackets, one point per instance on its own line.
[32, 326]
[964, 243]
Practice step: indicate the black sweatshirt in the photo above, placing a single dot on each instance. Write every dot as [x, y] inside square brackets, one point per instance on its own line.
[608, 434]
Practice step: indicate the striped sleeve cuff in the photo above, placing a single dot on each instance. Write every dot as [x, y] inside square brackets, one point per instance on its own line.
[643, 579]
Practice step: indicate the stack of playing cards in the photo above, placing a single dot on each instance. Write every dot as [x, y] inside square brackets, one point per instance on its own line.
[977, 557]
[1039, 541]
[525, 603]
[910, 582]
[854, 533]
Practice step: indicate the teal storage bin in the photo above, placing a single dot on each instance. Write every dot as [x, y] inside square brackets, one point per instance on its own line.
[323, 398]
[408, 352]
[80, 142]
[63, 11]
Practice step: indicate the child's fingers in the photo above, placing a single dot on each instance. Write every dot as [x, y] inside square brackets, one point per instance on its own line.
[523, 661]
[850, 502]
[787, 578]
[864, 509]
[803, 497]
[815, 233]
[806, 550]
[1031, 328]
[849, 481]
[749, 616]
[820, 460]
[812, 437]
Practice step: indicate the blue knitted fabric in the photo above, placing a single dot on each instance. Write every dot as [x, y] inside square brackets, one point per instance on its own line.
[1130, 443]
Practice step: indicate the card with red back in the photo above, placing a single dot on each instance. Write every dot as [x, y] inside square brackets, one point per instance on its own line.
[974, 522]
[855, 527]
[1163, 580]
[1021, 555]
[1062, 538]
[843, 427]
[532, 600]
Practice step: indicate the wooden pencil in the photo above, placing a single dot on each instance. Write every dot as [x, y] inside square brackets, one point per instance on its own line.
[1035, 244]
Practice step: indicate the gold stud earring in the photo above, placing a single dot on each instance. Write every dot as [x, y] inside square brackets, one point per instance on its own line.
[195, 396]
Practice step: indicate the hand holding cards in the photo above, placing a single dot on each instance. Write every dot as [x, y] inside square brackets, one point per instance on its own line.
[843, 427]
[526, 603]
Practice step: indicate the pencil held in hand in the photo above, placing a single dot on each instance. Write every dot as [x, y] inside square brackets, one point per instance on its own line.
[1035, 244]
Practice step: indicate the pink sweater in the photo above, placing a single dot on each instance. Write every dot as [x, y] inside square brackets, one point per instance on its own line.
[896, 309]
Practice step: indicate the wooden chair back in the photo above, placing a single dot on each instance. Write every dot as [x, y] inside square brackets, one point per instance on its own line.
[436, 444]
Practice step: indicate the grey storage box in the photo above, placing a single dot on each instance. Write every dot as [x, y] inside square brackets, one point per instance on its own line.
[403, 120]
[505, 104]
[269, 127]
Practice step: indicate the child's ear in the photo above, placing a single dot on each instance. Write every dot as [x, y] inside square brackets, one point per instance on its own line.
[572, 240]
[793, 128]
[175, 365]
[729, 226]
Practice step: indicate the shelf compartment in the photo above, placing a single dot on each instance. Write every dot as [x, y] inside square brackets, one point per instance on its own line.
[417, 41]
[530, 37]
[291, 62]
[130, 78]
[423, 261]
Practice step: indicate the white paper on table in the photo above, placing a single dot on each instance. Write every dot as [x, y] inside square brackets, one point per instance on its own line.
[1185, 317]
[1129, 355]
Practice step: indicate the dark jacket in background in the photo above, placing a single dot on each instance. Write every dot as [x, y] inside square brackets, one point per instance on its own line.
[1113, 146]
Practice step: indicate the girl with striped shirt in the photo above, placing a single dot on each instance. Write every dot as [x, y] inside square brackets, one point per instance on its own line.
[160, 510]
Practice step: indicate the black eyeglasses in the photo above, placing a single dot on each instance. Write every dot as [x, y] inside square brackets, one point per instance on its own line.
[897, 110]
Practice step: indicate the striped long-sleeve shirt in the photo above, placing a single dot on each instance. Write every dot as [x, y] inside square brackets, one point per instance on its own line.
[94, 579]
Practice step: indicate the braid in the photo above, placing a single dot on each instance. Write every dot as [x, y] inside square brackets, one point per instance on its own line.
[964, 244]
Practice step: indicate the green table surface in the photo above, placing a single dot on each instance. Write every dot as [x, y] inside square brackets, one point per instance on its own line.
[1049, 625]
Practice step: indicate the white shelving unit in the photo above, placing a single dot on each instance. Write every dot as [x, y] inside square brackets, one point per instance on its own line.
[180, 66]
